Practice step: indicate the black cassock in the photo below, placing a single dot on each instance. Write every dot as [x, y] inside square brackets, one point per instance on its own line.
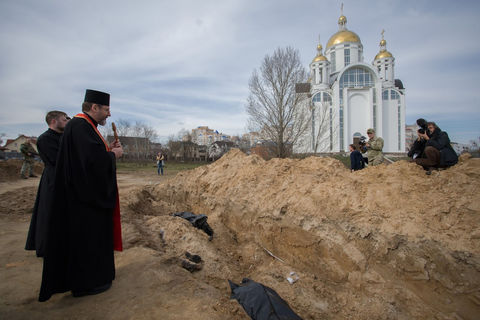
[79, 253]
[47, 145]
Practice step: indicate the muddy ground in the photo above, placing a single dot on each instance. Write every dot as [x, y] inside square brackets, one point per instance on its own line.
[386, 242]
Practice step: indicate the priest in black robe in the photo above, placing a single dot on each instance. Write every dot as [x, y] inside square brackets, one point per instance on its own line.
[47, 145]
[84, 227]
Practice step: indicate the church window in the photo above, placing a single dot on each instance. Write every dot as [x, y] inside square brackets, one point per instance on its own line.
[394, 95]
[356, 77]
[385, 95]
[333, 61]
[327, 98]
[347, 56]
[322, 97]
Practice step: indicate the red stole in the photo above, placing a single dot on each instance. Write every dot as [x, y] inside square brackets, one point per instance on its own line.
[117, 227]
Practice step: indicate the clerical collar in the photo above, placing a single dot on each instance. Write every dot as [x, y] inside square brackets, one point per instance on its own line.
[93, 120]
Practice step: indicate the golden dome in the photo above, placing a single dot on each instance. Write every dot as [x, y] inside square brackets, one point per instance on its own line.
[343, 36]
[383, 54]
[320, 57]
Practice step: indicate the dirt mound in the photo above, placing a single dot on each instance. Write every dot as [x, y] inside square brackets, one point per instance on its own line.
[18, 205]
[387, 242]
[10, 169]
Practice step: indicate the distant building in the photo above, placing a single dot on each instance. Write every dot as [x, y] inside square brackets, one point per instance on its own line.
[252, 137]
[344, 96]
[186, 151]
[137, 147]
[13, 145]
[203, 135]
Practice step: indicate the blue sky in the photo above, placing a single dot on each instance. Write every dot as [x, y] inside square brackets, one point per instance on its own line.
[181, 64]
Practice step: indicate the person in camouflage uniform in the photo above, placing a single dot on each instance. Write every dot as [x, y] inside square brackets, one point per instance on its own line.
[28, 154]
[374, 147]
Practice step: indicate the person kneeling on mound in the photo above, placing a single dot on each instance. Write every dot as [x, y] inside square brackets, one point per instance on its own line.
[438, 151]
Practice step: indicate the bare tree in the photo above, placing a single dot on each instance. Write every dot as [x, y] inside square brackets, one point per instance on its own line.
[319, 137]
[273, 107]
[123, 127]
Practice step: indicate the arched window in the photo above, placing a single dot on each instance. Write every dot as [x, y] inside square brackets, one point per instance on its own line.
[357, 77]
[385, 95]
[322, 97]
[394, 95]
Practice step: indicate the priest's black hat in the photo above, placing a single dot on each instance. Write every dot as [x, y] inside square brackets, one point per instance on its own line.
[97, 97]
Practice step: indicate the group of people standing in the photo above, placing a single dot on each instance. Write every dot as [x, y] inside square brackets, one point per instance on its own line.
[75, 224]
[431, 150]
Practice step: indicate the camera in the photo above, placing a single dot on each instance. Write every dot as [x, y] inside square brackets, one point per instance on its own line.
[362, 141]
[422, 123]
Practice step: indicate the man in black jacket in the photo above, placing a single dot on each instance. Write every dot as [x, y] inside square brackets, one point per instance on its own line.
[438, 151]
[47, 145]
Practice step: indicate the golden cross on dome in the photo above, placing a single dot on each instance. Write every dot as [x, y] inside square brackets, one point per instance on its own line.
[383, 31]
[341, 9]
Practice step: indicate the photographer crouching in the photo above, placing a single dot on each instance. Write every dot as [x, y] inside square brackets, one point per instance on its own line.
[438, 152]
[418, 147]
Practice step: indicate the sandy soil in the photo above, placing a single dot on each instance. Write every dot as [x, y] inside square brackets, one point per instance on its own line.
[386, 242]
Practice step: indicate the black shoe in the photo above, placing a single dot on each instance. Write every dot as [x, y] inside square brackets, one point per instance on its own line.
[91, 292]
[32, 176]
[23, 177]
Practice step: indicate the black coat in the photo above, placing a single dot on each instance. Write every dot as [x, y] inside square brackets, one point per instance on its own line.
[440, 141]
[356, 160]
[79, 252]
[47, 145]
[418, 147]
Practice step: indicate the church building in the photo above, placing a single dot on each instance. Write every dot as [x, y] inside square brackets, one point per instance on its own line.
[345, 96]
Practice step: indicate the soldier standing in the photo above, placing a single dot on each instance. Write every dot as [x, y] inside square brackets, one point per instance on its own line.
[28, 154]
[374, 147]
